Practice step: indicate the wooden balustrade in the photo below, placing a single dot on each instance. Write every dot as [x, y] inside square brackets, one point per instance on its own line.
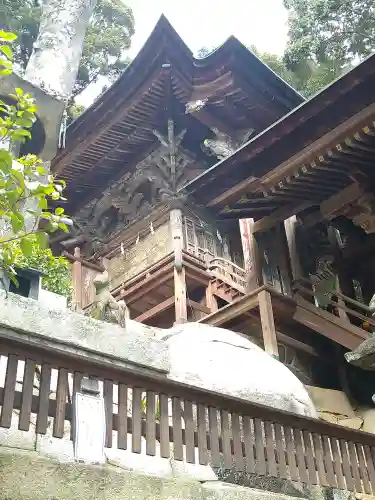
[342, 305]
[228, 271]
[164, 417]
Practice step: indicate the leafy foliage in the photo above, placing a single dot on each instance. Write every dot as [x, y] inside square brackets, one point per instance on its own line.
[329, 30]
[25, 185]
[57, 271]
[107, 37]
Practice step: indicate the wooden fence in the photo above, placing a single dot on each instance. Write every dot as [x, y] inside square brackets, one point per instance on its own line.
[165, 417]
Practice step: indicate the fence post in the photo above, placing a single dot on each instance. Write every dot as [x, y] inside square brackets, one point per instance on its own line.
[89, 423]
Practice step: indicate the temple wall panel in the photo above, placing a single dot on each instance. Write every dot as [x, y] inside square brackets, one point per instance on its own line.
[139, 257]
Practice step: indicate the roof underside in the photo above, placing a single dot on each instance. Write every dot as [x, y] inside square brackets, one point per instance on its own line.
[309, 155]
[116, 132]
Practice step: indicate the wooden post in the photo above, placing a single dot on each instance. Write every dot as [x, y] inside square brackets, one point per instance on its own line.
[77, 281]
[251, 254]
[211, 301]
[290, 231]
[284, 261]
[268, 324]
[179, 270]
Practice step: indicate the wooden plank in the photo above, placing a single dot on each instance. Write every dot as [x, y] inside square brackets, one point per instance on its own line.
[122, 420]
[280, 448]
[214, 436]
[355, 467]
[370, 466]
[225, 440]
[9, 391]
[27, 395]
[260, 464]
[363, 469]
[290, 451]
[337, 464]
[61, 399]
[202, 435]
[108, 406]
[290, 231]
[249, 444]
[164, 426]
[268, 323]
[180, 296]
[300, 454]
[189, 432]
[136, 420]
[270, 448]
[44, 391]
[332, 481]
[310, 457]
[319, 456]
[177, 429]
[237, 442]
[211, 301]
[279, 215]
[163, 306]
[199, 307]
[150, 423]
[346, 465]
[77, 281]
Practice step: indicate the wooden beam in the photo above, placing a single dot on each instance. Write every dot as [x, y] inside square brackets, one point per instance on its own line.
[336, 202]
[211, 301]
[84, 262]
[251, 255]
[290, 225]
[233, 310]
[279, 215]
[77, 281]
[199, 307]
[176, 231]
[268, 323]
[163, 306]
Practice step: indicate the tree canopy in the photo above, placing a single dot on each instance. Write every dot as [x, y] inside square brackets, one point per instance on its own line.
[107, 37]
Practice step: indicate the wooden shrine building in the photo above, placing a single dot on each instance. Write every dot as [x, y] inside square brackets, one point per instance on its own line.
[164, 165]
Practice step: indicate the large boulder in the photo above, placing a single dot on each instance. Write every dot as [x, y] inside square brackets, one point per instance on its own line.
[227, 362]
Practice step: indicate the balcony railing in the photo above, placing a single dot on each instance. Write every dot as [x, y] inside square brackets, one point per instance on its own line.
[163, 416]
[228, 272]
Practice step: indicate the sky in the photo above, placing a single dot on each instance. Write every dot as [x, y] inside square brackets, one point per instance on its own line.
[208, 23]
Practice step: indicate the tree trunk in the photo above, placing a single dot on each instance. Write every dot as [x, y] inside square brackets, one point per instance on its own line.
[54, 63]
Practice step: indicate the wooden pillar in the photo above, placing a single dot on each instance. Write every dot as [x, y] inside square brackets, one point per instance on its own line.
[284, 261]
[211, 301]
[77, 281]
[179, 270]
[268, 324]
[290, 231]
[251, 256]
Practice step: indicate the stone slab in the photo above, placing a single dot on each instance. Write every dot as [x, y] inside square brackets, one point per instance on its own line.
[26, 476]
[30, 322]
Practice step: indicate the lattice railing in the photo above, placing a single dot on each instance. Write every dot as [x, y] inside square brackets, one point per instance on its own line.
[228, 271]
[159, 417]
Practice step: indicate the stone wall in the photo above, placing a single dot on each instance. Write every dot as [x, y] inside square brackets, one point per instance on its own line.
[138, 257]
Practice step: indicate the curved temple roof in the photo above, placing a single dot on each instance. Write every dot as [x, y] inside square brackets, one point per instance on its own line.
[116, 132]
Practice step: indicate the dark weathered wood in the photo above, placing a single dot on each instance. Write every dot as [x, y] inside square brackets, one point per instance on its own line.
[189, 432]
[61, 400]
[164, 426]
[177, 429]
[27, 395]
[280, 449]
[214, 436]
[225, 440]
[355, 467]
[159, 308]
[150, 423]
[332, 481]
[270, 449]
[290, 451]
[136, 420]
[202, 435]
[346, 465]
[363, 471]
[310, 457]
[44, 390]
[337, 464]
[237, 442]
[248, 442]
[268, 323]
[9, 391]
[370, 466]
[122, 428]
[108, 406]
[260, 461]
[300, 454]
[319, 456]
